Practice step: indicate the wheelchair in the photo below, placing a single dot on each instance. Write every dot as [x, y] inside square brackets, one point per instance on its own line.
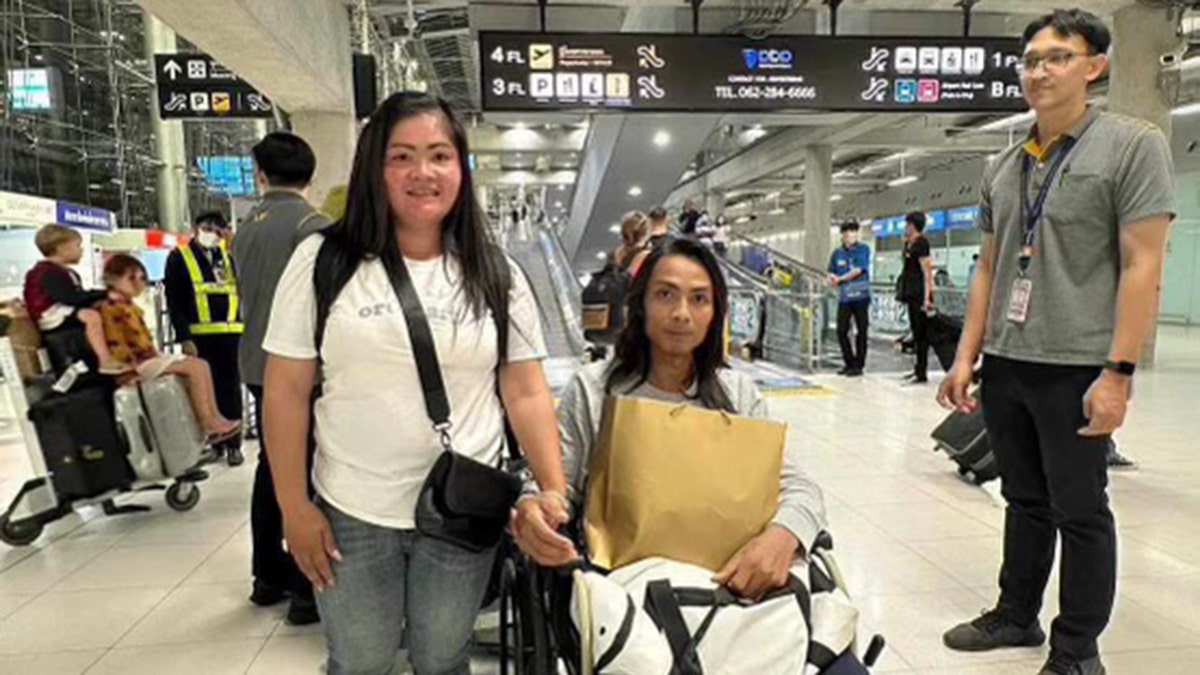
[538, 636]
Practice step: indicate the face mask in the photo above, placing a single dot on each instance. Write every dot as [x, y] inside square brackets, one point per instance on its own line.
[208, 239]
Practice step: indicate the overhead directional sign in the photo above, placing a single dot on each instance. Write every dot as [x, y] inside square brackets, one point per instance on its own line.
[194, 86]
[636, 71]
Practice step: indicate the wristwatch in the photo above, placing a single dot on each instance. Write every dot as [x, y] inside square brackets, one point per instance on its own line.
[1121, 367]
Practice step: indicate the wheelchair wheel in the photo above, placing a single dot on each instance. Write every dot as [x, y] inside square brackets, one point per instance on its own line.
[18, 532]
[183, 496]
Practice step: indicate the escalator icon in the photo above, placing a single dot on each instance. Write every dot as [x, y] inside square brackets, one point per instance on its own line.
[878, 60]
[877, 91]
[648, 87]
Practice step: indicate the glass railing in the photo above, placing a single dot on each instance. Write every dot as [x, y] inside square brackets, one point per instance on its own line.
[568, 292]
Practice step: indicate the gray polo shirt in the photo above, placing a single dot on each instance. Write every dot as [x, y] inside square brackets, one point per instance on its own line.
[1118, 172]
[261, 250]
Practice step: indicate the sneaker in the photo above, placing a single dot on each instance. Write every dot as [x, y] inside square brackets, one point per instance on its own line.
[302, 612]
[1061, 664]
[266, 595]
[993, 630]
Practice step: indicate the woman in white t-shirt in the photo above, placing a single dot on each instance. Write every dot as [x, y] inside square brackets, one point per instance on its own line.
[376, 576]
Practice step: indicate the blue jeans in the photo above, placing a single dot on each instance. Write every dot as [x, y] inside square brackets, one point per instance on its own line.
[397, 583]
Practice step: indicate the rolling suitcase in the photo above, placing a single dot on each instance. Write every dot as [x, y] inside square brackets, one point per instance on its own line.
[161, 429]
[964, 439]
[80, 444]
[944, 334]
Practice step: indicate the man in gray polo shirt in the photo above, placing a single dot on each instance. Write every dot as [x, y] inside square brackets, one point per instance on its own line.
[1074, 223]
[284, 165]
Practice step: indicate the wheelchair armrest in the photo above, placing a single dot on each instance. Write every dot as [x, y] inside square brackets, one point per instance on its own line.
[823, 542]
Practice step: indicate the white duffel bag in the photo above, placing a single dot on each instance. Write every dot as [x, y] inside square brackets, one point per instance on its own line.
[657, 616]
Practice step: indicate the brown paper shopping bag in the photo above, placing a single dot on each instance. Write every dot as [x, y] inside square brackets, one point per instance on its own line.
[680, 482]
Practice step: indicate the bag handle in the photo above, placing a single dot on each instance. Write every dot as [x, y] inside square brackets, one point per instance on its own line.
[437, 405]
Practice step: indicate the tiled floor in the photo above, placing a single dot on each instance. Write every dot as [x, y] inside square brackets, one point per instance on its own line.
[164, 592]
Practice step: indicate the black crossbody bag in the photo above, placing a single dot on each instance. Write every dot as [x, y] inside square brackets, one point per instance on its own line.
[463, 501]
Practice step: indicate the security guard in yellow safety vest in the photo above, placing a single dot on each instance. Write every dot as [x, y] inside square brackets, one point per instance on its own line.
[202, 300]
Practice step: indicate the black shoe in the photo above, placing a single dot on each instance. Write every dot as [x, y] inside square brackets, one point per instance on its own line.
[302, 612]
[266, 595]
[915, 380]
[857, 372]
[235, 457]
[845, 371]
[909, 376]
[1118, 461]
[991, 631]
[1061, 664]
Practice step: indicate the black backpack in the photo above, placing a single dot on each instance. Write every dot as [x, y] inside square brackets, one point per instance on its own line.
[604, 304]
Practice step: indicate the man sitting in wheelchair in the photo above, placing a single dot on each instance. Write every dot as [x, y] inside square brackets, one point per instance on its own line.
[671, 352]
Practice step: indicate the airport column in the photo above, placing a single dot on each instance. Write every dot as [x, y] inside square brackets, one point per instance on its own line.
[171, 182]
[331, 135]
[1141, 35]
[818, 188]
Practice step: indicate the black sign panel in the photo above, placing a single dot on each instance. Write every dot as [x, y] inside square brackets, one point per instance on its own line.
[646, 72]
[194, 86]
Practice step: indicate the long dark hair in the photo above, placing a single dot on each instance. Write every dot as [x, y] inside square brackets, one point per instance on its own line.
[366, 231]
[632, 361]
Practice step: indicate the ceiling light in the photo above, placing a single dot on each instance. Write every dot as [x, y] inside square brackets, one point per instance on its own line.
[1009, 122]
[772, 195]
[741, 219]
[602, 256]
[558, 205]
[776, 212]
[520, 125]
[635, 191]
[1184, 110]
[615, 229]
[836, 198]
[903, 180]
[562, 188]
[662, 139]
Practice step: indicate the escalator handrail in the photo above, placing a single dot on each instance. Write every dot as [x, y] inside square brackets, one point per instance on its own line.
[568, 296]
[804, 268]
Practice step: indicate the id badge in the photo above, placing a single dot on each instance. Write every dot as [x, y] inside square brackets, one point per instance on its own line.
[1018, 300]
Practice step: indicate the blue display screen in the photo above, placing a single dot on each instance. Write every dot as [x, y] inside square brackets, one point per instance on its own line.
[230, 175]
[962, 218]
[29, 89]
[935, 221]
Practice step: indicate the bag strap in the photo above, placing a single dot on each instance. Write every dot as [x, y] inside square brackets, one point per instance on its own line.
[437, 405]
[663, 608]
[618, 644]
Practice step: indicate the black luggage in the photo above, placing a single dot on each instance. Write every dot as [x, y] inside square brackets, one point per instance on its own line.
[944, 334]
[604, 305]
[79, 441]
[964, 438]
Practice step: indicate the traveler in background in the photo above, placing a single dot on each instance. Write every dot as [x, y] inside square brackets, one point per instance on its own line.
[850, 274]
[671, 350]
[660, 227]
[915, 289]
[131, 343]
[689, 219]
[1075, 220]
[283, 169]
[202, 301]
[635, 229]
[377, 577]
[721, 236]
[54, 295]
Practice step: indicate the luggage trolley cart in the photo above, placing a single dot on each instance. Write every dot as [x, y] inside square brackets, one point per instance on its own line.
[41, 501]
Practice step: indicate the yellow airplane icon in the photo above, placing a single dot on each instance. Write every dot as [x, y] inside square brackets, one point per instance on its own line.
[541, 57]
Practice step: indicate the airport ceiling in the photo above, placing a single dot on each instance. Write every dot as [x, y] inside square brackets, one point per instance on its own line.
[554, 145]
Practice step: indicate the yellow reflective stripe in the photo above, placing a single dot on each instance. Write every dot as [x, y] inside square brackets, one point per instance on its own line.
[231, 282]
[216, 328]
[202, 309]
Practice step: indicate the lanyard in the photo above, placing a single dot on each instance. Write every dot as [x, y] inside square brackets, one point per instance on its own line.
[1031, 214]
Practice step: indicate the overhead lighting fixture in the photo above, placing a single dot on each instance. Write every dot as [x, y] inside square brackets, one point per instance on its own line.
[558, 205]
[776, 212]
[836, 198]
[635, 191]
[1009, 122]
[662, 139]
[615, 228]
[602, 256]
[772, 195]
[741, 219]
[520, 125]
[562, 188]
[1185, 110]
[903, 180]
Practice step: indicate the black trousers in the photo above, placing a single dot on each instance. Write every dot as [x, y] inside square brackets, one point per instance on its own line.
[860, 312]
[1055, 482]
[221, 352]
[272, 564]
[918, 323]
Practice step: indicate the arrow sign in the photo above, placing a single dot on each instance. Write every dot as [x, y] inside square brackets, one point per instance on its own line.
[172, 69]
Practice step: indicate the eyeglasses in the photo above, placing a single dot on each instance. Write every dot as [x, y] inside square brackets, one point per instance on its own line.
[1054, 61]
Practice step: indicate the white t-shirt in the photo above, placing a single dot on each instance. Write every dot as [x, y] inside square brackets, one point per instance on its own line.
[375, 442]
